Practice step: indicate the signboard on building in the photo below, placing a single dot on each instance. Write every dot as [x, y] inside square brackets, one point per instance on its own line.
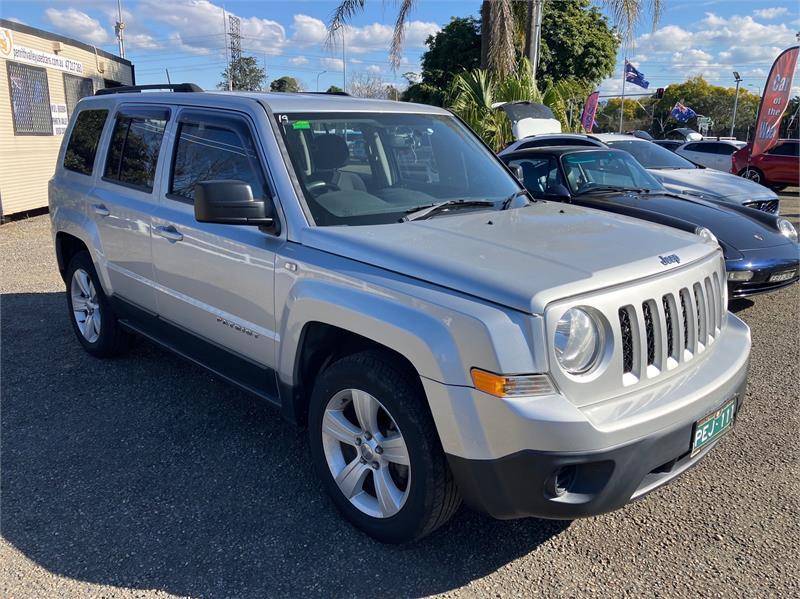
[11, 51]
[60, 118]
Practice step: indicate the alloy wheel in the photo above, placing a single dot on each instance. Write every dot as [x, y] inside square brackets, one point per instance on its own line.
[85, 305]
[366, 453]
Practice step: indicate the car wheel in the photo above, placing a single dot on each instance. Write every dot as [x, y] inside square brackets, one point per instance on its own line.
[753, 174]
[375, 448]
[90, 312]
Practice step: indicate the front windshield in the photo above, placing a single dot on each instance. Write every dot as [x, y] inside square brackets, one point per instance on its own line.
[602, 169]
[365, 168]
[651, 155]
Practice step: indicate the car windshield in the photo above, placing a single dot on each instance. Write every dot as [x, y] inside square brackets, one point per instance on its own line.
[372, 168]
[652, 155]
[598, 170]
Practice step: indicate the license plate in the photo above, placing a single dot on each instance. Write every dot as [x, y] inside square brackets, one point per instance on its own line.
[782, 276]
[710, 428]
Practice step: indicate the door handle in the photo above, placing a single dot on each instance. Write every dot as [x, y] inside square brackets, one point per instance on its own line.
[101, 210]
[169, 233]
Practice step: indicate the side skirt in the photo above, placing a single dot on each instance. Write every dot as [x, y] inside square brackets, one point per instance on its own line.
[227, 365]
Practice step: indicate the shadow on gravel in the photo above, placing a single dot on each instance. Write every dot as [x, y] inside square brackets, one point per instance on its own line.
[146, 472]
[738, 304]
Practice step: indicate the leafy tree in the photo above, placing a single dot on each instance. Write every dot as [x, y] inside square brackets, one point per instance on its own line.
[456, 47]
[285, 84]
[334, 89]
[790, 125]
[244, 74]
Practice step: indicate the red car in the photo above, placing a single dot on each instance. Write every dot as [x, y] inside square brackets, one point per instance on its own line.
[778, 168]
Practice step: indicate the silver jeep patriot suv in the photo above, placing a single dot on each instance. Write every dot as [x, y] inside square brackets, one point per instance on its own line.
[373, 270]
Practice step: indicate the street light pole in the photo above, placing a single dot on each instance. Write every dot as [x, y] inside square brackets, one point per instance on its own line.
[735, 100]
[318, 74]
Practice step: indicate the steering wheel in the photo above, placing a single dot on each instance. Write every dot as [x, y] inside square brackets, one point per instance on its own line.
[319, 187]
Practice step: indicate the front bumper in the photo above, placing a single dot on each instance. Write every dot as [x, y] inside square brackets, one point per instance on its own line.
[764, 264]
[504, 453]
[522, 484]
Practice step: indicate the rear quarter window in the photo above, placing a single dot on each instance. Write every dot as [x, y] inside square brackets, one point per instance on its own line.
[83, 141]
[134, 148]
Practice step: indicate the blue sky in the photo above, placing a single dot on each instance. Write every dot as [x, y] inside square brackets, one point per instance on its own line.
[712, 37]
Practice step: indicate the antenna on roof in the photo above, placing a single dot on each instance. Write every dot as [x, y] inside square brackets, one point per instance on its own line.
[119, 29]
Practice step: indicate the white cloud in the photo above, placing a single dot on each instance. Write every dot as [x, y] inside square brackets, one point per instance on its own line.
[669, 38]
[770, 13]
[332, 64]
[373, 68]
[298, 60]
[77, 24]
[308, 31]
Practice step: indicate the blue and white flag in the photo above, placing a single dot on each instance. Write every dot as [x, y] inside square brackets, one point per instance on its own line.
[634, 76]
[682, 113]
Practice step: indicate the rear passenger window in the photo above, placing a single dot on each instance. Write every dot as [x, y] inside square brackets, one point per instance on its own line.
[82, 145]
[220, 149]
[134, 148]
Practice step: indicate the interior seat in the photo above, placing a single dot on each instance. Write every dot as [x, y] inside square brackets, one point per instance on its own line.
[330, 153]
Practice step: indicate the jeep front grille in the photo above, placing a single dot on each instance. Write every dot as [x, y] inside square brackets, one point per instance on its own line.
[652, 332]
[770, 206]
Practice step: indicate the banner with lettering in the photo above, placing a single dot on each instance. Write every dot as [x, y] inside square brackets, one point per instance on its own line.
[589, 111]
[774, 101]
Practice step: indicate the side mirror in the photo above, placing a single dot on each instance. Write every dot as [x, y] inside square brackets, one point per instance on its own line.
[517, 170]
[557, 193]
[230, 202]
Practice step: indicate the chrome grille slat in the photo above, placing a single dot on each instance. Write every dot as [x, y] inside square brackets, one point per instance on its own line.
[701, 312]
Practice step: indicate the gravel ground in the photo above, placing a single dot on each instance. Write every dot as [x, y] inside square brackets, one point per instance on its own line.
[146, 477]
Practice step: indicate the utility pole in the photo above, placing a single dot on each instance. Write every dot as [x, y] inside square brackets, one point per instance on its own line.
[735, 100]
[318, 74]
[622, 102]
[344, 63]
[234, 24]
[119, 29]
[225, 44]
[533, 38]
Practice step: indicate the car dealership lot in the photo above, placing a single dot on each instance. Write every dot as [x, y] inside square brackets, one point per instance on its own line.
[145, 475]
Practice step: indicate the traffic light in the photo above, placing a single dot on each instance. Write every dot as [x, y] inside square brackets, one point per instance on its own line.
[659, 93]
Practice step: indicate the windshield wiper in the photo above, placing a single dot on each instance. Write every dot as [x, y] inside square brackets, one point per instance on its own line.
[433, 209]
[611, 189]
[510, 199]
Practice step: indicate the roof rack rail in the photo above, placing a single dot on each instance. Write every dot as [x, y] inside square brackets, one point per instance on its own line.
[135, 89]
[326, 93]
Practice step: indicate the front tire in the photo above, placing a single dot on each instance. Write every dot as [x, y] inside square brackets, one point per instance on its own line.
[90, 312]
[374, 446]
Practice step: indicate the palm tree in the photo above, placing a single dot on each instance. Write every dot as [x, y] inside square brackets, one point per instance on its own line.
[500, 24]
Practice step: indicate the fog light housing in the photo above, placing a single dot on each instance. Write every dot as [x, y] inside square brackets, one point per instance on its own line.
[560, 482]
[740, 275]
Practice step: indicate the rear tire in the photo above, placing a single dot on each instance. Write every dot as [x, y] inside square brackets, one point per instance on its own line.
[394, 480]
[90, 312]
[755, 175]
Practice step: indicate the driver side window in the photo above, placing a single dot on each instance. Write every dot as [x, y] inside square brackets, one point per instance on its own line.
[213, 149]
[539, 174]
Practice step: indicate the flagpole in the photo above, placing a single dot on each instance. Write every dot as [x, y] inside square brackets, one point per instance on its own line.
[622, 103]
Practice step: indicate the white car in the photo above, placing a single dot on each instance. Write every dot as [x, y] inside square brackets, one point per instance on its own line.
[714, 154]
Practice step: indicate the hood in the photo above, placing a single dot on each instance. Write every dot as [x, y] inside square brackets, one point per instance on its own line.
[522, 258]
[733, 229]
[706, 180]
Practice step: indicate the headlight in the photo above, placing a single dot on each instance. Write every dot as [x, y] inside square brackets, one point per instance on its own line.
[786, 228]
[706, 235]
[577, 341]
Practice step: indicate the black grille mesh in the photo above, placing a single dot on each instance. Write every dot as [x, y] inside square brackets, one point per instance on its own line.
[627, 340]
[685, 322]
[668, 317]
[651, 339]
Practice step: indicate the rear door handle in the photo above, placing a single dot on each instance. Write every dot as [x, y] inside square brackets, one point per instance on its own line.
[169, 233]
[101, 210]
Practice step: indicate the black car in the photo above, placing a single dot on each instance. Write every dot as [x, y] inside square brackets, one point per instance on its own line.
[670, 144]
[761, 249]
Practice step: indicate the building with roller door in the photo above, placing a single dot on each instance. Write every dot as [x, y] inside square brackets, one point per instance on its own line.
[42, 77]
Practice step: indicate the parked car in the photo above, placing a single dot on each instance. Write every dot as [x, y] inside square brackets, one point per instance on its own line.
[440, 337]
[778, 168]
[683, 134]
[761, 250]
[714, 154]
[683, 176]
[670, 144]
[676, 173]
